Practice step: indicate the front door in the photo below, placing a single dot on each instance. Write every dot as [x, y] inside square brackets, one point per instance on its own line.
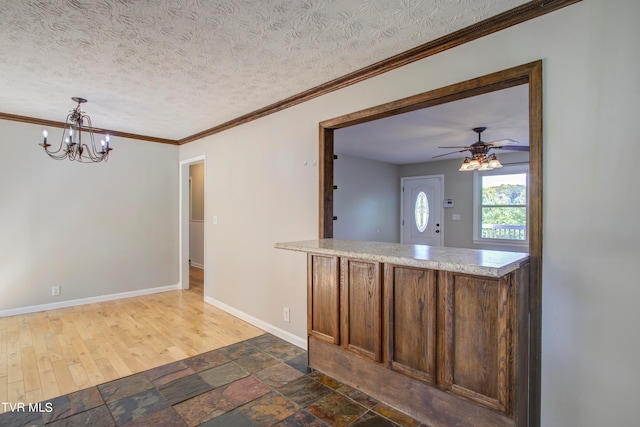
[422, 210]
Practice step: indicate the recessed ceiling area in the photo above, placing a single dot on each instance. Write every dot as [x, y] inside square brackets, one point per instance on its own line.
[170, 69]
[414, 137]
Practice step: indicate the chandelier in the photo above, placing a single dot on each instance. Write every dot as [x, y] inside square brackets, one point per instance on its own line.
[71, 145]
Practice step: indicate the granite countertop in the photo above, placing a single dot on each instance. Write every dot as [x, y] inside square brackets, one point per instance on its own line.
[457, 260]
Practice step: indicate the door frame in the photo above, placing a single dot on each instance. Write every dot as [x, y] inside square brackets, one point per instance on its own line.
[402, 181]
[184, 217]
[531, 74]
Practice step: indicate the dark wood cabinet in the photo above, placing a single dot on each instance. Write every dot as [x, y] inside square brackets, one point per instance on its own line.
[323, 298]
[445, 347]
[479, 339]
[361, 308]
[410, 317]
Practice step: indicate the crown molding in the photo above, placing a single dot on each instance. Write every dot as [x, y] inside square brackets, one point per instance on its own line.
[491, 25]
[54, 124]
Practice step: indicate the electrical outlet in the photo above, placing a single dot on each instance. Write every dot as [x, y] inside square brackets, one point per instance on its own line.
[55, 291]
[286, 314]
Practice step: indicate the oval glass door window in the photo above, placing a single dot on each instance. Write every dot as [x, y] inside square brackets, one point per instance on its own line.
[422, 211]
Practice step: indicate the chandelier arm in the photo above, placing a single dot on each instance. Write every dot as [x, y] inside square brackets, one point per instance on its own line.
[72, 152]
[55, 156]
[95, 151]
[90, 155]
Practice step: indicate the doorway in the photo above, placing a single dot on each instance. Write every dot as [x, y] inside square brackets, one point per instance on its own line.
[188, 240]
[196, 227]
[530, 74]
[421, 210]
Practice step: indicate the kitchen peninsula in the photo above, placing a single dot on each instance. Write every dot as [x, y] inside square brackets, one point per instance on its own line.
[439, 333]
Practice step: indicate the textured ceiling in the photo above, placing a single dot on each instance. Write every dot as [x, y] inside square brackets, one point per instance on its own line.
[173, 68]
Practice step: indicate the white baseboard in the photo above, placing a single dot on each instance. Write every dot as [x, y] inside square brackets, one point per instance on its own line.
[82, 301]
[280, 333]
[197, 265]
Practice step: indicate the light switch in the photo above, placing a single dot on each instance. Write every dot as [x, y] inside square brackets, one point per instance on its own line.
[455, 217]
[215, 219]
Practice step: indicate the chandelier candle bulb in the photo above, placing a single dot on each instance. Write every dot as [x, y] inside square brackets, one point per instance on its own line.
[45, 134]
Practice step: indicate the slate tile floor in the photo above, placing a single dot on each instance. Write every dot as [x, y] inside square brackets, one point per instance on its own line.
[263, 381]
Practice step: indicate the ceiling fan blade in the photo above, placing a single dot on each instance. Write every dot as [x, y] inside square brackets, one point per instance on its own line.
[458, 146]
[446, 154]
[502, 142]
[512, 148]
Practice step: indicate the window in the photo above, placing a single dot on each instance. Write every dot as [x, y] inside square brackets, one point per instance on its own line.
[501, 209]
[422, 211]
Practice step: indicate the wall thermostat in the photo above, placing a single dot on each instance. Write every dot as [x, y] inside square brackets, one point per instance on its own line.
[448, 203]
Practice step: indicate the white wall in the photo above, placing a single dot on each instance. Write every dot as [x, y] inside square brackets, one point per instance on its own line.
[263, 185]
[367, 201]
[92, 229]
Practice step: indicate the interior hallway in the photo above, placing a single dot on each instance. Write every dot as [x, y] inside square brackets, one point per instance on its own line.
[55, 352]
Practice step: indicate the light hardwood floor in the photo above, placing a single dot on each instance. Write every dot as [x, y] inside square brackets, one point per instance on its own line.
[51, 353]
[196, 280]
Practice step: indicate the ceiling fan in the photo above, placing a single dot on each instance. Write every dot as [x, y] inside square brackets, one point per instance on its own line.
[480, 157]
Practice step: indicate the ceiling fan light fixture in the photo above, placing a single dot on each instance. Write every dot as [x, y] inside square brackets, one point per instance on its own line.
[474, 164]
[494, 163]
[484, 166]
[480, 158]
[465, 165]
[480, 162]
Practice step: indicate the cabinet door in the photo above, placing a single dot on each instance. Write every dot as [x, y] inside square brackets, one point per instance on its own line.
[410, 319]
[479, 339]
[361, 307]
[323, 298]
